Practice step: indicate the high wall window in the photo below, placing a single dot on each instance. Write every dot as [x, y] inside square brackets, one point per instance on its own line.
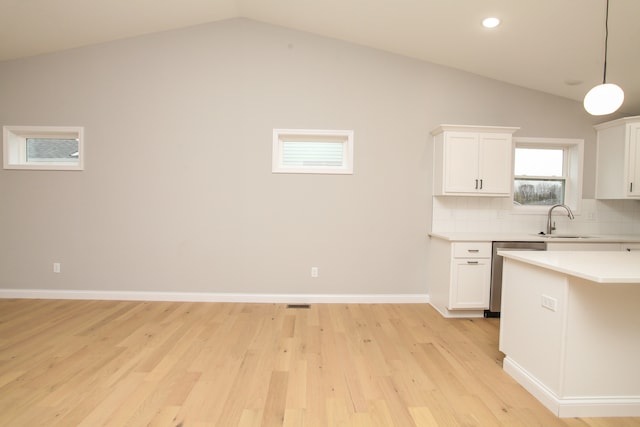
[547, 171]
[43, 147]
[312, 151]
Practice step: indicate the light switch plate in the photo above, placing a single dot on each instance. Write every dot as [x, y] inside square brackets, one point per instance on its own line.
[549, 303]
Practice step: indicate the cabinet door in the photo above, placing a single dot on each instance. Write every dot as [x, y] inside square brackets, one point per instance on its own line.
[634, 160]
[461, 152]
[495, 158]
[470, 283]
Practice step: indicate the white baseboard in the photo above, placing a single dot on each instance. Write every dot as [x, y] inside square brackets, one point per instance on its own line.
[582, 407]
[216, 297]
[458, 314]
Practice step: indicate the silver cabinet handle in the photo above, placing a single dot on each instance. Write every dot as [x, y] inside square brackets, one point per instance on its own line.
[473, 250]
[472, 262]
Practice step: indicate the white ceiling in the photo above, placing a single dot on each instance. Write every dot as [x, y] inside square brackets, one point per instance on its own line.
[555, 46]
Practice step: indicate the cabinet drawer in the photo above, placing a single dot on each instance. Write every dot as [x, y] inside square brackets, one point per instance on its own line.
[472, 250]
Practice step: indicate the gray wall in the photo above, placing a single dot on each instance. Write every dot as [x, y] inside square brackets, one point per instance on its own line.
[178, 193]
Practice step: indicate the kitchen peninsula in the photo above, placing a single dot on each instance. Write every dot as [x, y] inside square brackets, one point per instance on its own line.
[570, 329]
[461, 276]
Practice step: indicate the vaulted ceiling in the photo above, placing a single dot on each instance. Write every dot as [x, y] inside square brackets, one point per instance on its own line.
[554, 46]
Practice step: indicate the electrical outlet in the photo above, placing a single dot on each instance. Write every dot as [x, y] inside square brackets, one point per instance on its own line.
[314, 271]
[56, 267]
[549, 303]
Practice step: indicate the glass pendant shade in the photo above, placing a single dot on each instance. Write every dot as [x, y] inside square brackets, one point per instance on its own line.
[603, 99]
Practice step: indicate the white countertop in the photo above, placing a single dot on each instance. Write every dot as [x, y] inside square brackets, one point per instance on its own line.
[600, 267]
[531, 237]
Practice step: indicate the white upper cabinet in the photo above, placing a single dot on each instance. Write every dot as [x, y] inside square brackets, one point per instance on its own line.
[618, 159]
[473, 160]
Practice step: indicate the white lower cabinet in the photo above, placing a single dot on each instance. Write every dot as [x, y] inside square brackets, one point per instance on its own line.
[460, 272]
[470, 280]
[460, 278]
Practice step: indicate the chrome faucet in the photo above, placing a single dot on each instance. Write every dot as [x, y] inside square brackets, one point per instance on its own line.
[551, 227]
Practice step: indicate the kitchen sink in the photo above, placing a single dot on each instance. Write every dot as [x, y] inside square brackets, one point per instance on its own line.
[564, 236]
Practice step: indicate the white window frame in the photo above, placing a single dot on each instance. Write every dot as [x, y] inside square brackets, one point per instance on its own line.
[14, 143]
[573, 160]
[312, 135]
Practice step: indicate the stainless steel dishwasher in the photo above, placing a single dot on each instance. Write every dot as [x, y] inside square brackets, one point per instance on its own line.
[496, 271]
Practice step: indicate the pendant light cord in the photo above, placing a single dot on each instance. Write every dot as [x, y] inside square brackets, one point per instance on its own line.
[606, 43]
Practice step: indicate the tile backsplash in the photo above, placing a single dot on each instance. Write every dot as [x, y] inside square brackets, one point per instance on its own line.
[486, 214]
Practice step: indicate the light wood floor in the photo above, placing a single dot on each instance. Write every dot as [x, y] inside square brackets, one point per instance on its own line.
[93, 363]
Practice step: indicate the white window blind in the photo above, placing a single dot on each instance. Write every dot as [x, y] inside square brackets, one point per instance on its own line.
[303, 154]
[312, 151]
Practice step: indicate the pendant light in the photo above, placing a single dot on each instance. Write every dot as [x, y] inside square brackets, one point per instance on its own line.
[607, 97]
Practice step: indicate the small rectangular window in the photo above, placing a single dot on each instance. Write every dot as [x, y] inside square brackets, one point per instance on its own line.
[300, 154]
[43, 147]
[312, 151]
[45, 150]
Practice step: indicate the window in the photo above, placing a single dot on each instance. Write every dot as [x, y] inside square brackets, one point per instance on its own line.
[312, 151]
[547, 171]
[43, 147]
[539, 176]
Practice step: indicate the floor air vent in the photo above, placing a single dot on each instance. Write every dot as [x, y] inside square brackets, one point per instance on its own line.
[298, 306]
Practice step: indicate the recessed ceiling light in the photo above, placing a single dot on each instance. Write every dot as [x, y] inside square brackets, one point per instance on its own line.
[490, 22]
